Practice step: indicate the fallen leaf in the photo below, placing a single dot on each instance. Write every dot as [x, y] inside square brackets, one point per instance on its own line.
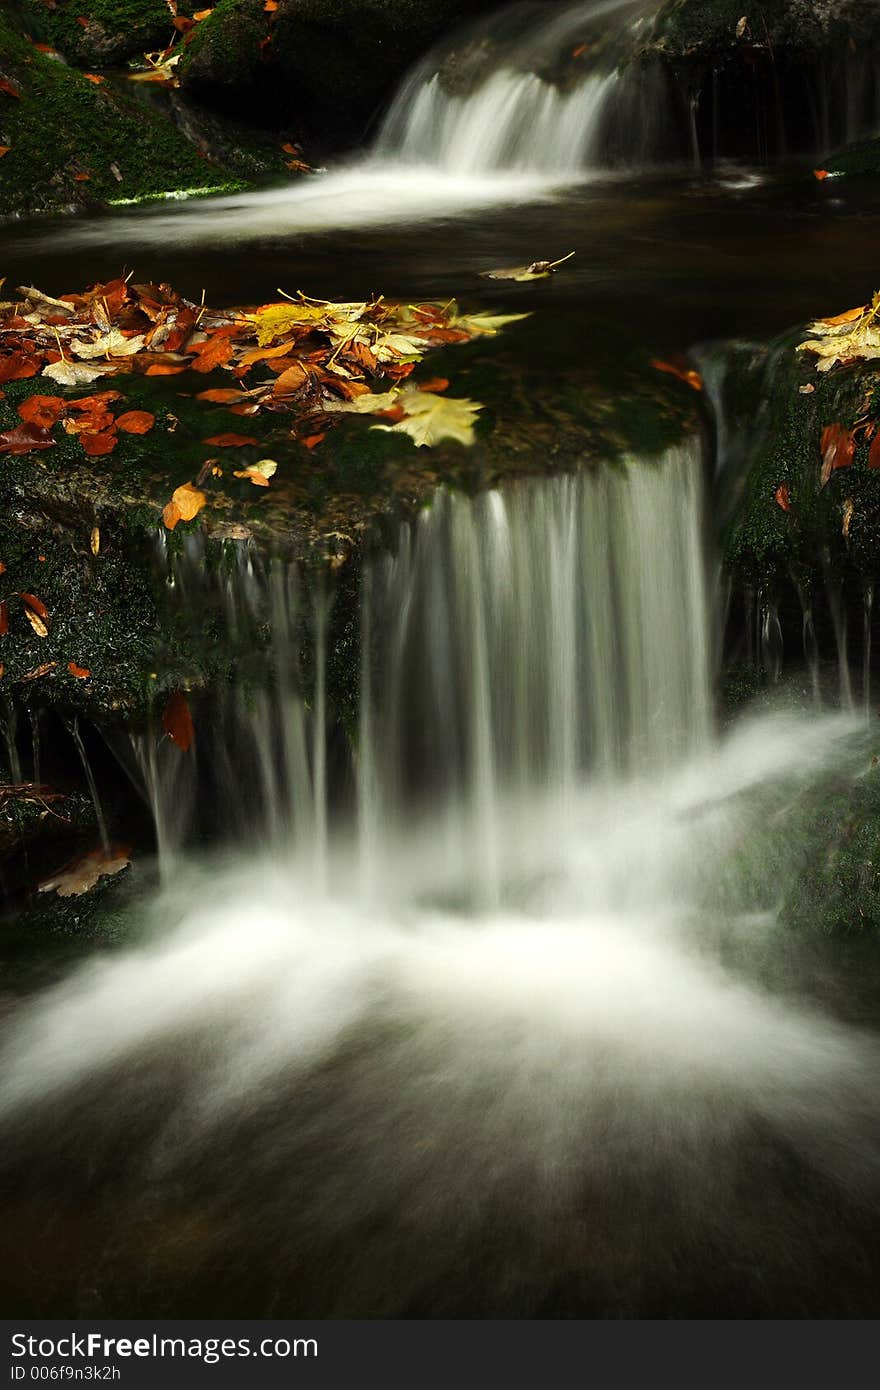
[311, 441]
[95, 540]
[73, 373]
[428, 418]
[98, 445]
[874, 453]
[838, 447]
[230, 441]
[4, 149]
[849, 507]
[80, 673]
[291, 380]
[25, 439]
[177, 722]
[537, 270]
[222, 395]
[135, 422]
[82, 874]
[9, 89]
[112, 344]
[94, 77]
[691, 378]
[4, 617]
[43, 411]
[783, 497]
[821, 174]
[17, 366]
[186, 503]
[258, 473]
[39, 671]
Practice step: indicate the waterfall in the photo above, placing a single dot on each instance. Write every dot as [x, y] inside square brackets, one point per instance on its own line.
[533, 638]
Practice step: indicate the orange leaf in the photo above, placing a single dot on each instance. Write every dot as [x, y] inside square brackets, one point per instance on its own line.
[9, 89]
[215, 353]
[44, 411]
[783, 497]
[24, 440]
[202, 14]
[838, 446]
[164, 369]
[93, 77]
[289, 148]
[821, 174]
[291, 380]
[80, 673]
[849, 317]
[17, 366]
[186, 501]
[97, 445]
[135, 422]
[230, 441]
[170, 515]
[81, 178]
[177, 722]
[4, 149]
[221, 395]
[263, 354]
[436, 384]
[691, 378]
[312, 440]
[97, 402]
[874, 455]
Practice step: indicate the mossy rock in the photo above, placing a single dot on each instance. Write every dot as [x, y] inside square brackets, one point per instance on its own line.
[323, 67]
[859, 160]
[685, 28]
[73, 142]
[113, 31]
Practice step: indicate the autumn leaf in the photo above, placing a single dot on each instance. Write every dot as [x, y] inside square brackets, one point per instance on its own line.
[275, 321]
[691, 378]
[177, 722]
[291, 380]
[4, 149]
[135, 422]
[75, 373]
[80, 673]
[429, 419]
[43, 411]
[82, 874]
[98, 445]
[222, 395]
[95, 540]
[783, 497]
[874, 453]
[186, 502]
[230, 441]
[258, 473]
[36, 613]
[18, 366]
[9, 89]
[25, 439]
[4, 617]
[538, 270]
[838, 447]
[485, 323]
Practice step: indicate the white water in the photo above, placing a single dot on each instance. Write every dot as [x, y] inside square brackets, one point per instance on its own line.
[552, 968]
[517, 136]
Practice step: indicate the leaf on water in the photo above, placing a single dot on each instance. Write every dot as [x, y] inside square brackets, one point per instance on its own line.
[783, 497]
[135, 422]
[838, 445]
[258, 473]
[25, 439]
[177, 722]
[82, 875]
[537, 270]
[429, 419]
[80, 673]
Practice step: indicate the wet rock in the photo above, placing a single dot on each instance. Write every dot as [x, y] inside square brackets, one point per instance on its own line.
[113, 31]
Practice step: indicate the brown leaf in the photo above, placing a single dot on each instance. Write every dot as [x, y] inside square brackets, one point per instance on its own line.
[838, 446]
[691, 378]
[39, 671]
[80, 673]
[9, 89]
[230, 441]
[291, 380]
[82, 874]
[874, 453]
[4, 617]
[17, 366]
[222, 395]
[177, 722]
[35, 605]
[164, 369]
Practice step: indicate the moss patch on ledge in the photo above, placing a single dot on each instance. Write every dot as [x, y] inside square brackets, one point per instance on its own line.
[65, 134]
[113, 31]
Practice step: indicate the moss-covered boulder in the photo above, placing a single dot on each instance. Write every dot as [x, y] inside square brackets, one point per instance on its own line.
[322, 66]
[102, 33]
[70, 141]
[787, 77]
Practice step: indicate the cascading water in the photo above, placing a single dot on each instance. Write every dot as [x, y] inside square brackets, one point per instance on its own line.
[531, 1041]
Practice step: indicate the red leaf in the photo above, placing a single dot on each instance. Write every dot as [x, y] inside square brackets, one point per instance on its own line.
[25, 439]
[9, 88]
[36, 605]
[838, 446]
[783, 497]
[4, 617]
[17, 366]
[691, 378]
[821, 174]
[177, 722]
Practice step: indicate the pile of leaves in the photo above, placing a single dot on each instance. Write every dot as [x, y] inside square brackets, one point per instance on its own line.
[309, 360]
[849, 337]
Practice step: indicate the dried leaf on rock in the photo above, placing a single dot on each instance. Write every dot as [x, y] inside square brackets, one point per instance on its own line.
[25, 439]
[82, 875]
[429, 419]
[838, 445]
[258, 473]
[80, 673]
[43, 411]
[135, 422]
[74, 373]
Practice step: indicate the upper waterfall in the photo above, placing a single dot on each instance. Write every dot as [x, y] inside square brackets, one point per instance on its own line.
[528, 92]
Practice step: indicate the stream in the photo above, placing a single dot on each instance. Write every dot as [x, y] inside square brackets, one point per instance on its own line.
[493, 1013]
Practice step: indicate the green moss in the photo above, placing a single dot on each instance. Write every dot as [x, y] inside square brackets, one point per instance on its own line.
[63, 127]
[856, 160]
